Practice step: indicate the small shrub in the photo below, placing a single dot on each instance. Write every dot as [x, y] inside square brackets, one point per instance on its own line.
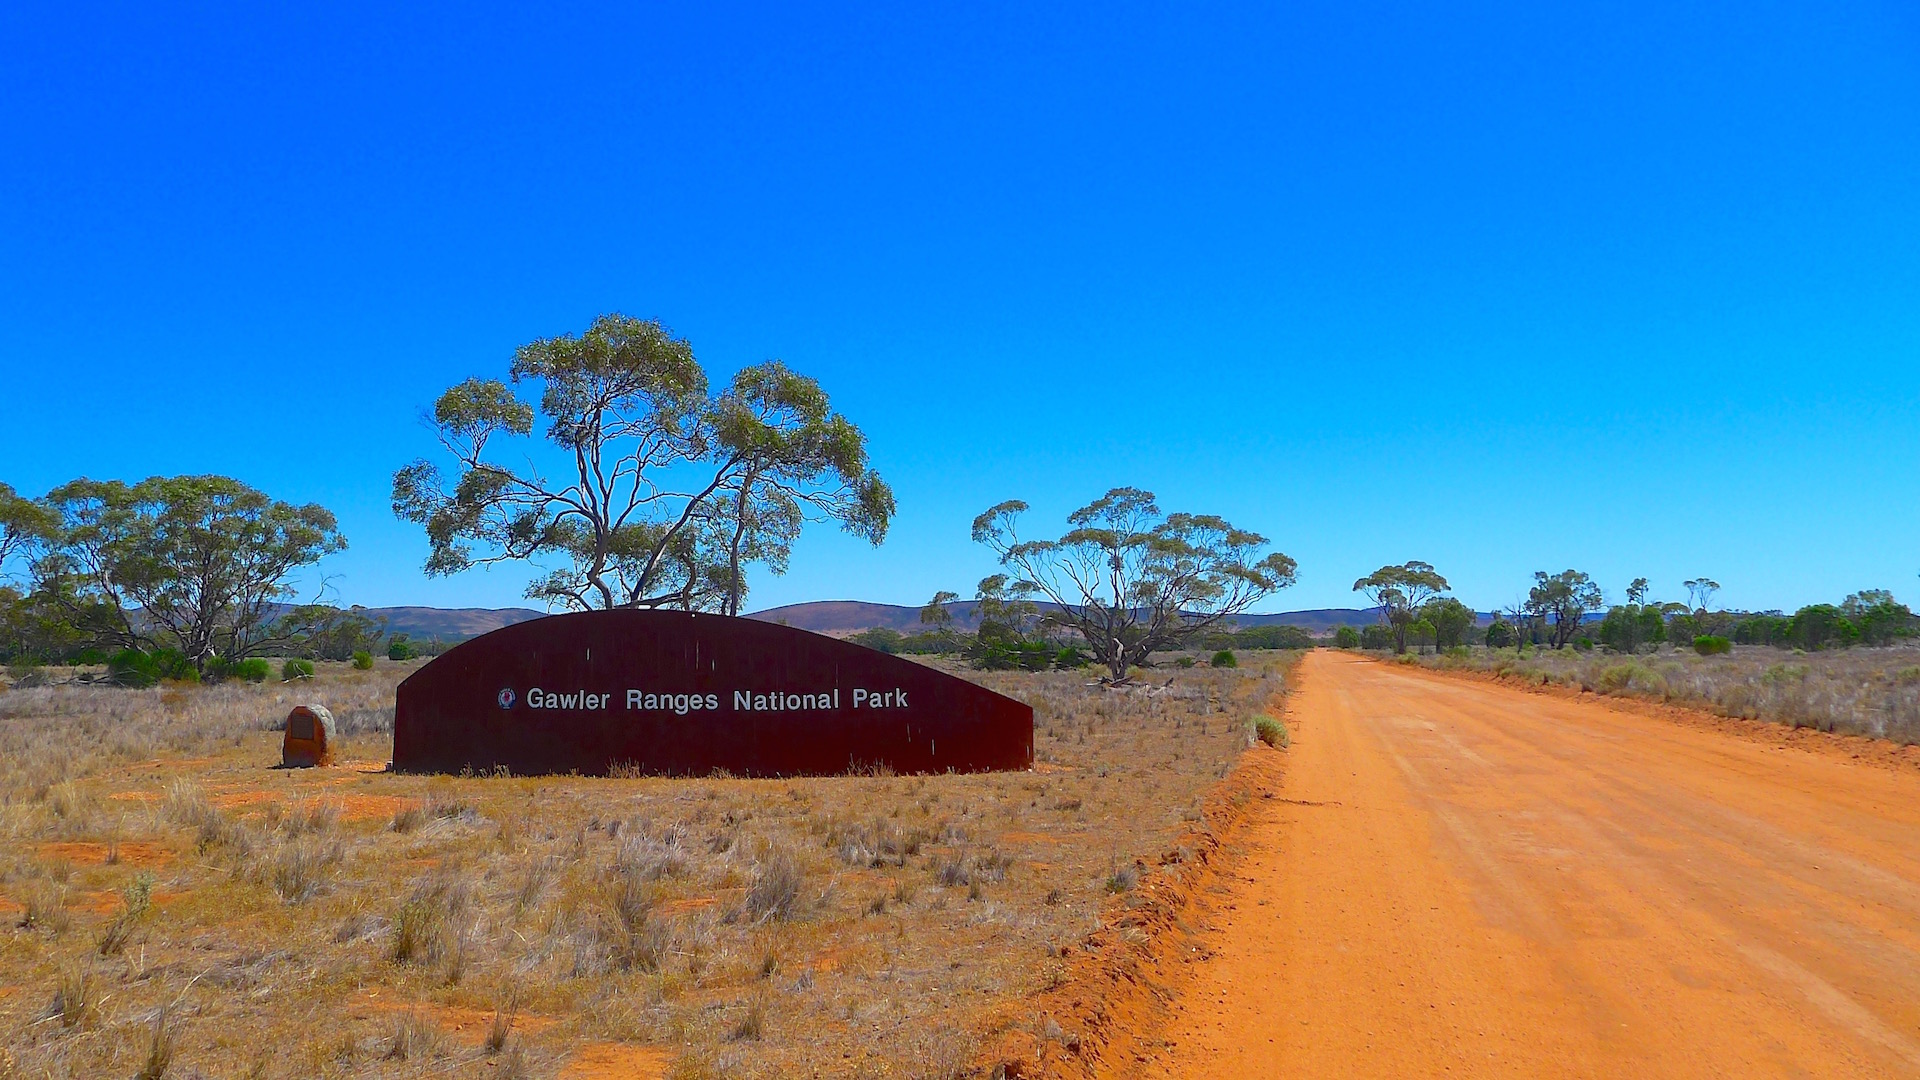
[775, 891]
[399, 648]
[413, 1036]
[363, 661]
[1272, 732]
[76, 1000]
[133, 669]
[136, 899]
[1183, 662]
[1709, 645]
[1346, 637]
[1123, 879]
[253, 669]
[1225, 658]
[296, 669]
[159, 1050]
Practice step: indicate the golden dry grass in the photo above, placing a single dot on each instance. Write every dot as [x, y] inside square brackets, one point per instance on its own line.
[1871, 692]
[172, 903]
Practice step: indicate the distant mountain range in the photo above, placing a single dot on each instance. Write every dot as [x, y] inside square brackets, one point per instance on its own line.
[837, 617]
[852, 616]
[448, 624]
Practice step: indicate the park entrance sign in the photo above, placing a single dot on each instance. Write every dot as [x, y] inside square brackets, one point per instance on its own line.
[678, 693]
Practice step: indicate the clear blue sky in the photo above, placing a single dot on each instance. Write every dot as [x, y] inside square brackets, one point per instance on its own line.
[1505, 287]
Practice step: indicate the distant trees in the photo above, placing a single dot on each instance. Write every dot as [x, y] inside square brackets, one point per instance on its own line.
[665, 493]
[1399, 592]
[1449, 620]
[198, 564]
[1566, 598]
[1131, 579]
[1629, 626]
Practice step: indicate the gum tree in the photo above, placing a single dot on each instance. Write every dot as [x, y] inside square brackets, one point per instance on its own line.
[202, 564]
[1567, 596]
[662, 494]
[1131, 579]
[1399, 592]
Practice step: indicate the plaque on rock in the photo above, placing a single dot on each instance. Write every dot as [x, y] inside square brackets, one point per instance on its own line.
[678, 694]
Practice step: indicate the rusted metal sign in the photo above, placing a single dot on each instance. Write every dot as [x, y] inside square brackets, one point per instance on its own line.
[674, 693]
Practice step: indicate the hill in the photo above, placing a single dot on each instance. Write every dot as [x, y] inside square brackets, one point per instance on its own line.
[851, 616]
[819, 616]
[448, 624]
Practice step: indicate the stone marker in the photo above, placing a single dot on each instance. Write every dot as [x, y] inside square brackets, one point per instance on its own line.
[309, 738]
[677, 693]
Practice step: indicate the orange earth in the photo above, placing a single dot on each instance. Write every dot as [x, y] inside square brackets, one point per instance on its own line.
[1457, 878]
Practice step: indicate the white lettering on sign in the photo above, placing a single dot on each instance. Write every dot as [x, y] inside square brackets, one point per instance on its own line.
[679, 703]
[776, 701]
[682, 704]
[577, 699]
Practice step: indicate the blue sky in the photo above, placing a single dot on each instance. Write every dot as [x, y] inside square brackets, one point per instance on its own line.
[1504, 288]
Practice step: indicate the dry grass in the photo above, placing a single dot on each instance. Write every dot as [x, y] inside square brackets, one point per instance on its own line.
[1872, 692]
[172, 903]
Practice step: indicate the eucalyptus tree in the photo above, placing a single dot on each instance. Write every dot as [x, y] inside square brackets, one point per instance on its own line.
[1399, 592]
[1132, 579]
[663, 494]
[201, 564]
[1450, 620]
[1567, 596]
[1700, 593]
[24, 525]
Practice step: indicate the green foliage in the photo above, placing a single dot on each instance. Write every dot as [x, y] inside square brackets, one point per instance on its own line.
[1262, 637]
[296, 669]
[253, 669]
[320, 632]
[1448, 620]
[363, 661]
[135, 668]
[628, 405]
[1225, 658]
[879, 639]
[1566, 597]
[1183, 662]
[1008, 654]
[1763, 630]
[1069, 659]
[203, 560]
[1163, 579]
[1879, 619]
[1583, 644]
[1708, 645]
[1272, 732]
[1822, 626]
[1346, 637]
[1400, 592]
[399, 647]
[1500, 634]
[1377, 636]
[1630, 626]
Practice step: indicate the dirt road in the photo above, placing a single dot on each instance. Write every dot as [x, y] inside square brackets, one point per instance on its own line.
[1468, 880]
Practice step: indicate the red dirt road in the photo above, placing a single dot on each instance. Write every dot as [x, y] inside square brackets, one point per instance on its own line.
[1461, 879]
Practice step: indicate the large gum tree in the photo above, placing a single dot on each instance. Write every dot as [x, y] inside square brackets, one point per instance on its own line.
[657, 493]
[1133, 580]
[202, 564]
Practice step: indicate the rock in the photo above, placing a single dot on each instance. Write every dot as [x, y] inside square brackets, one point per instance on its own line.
[309, 737]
